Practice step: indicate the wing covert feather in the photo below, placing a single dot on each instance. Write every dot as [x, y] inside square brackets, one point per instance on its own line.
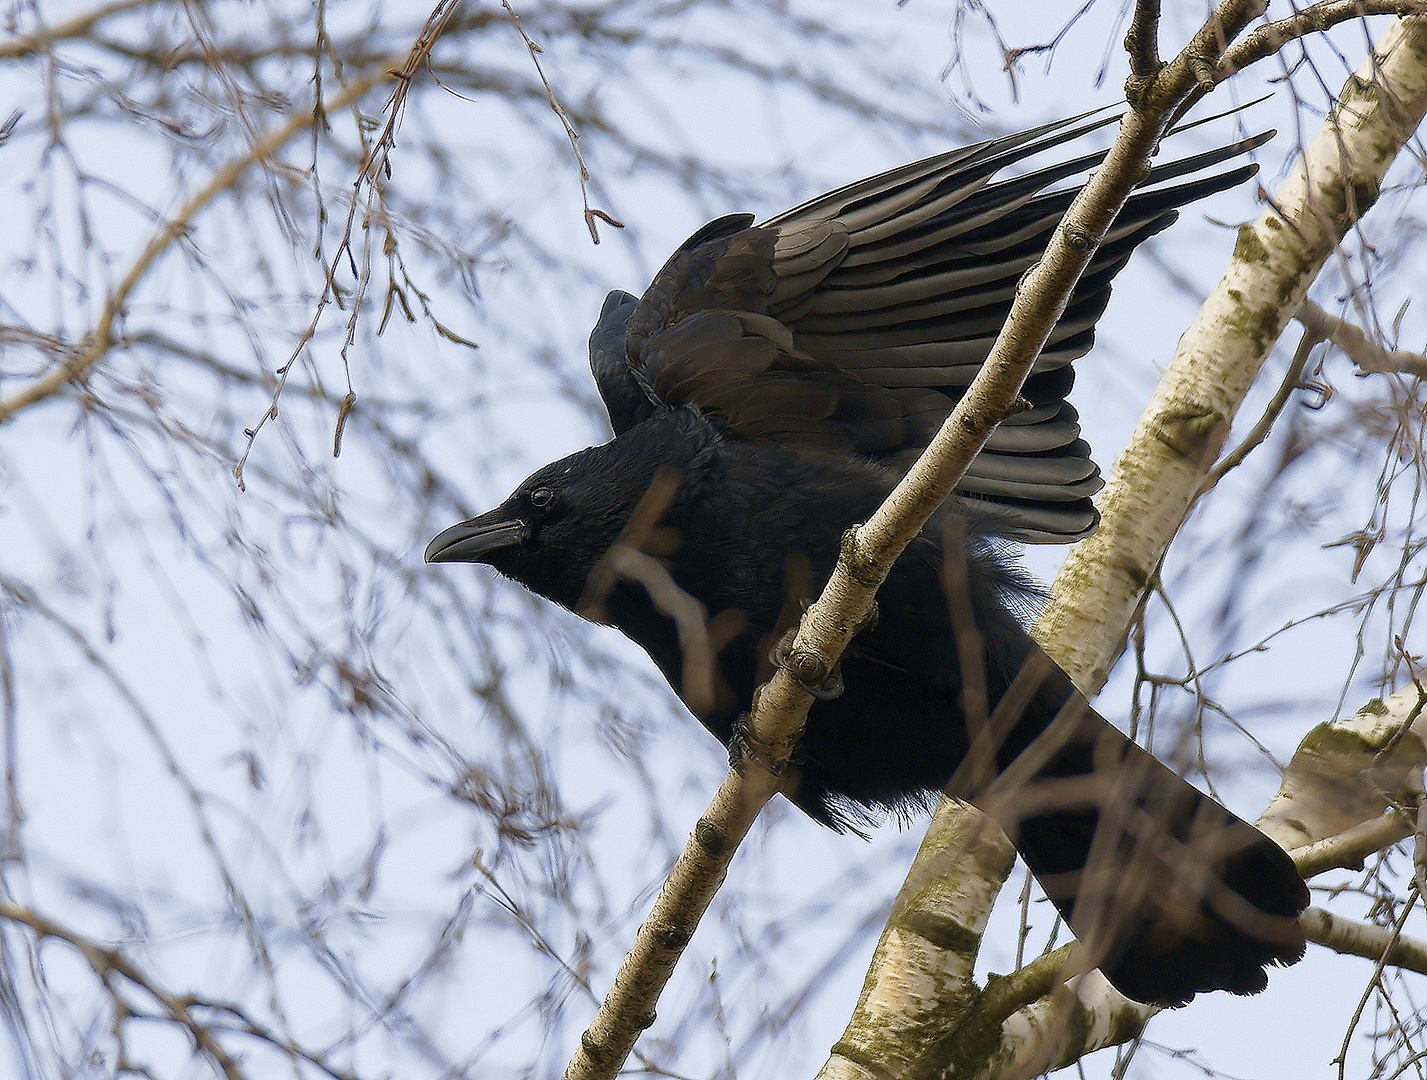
[854, 322]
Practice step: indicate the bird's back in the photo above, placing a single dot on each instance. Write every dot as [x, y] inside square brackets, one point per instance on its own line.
[1173, 894]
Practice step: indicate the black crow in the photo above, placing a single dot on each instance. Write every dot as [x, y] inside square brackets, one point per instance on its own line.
[765, 393]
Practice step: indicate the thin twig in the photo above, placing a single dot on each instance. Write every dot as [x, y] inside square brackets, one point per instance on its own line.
[1342, 1058]
[77, 26]
[570, 133]
[102, 336]
[1292, 380]
[375, 167]
[1370, 357]
[107, 962]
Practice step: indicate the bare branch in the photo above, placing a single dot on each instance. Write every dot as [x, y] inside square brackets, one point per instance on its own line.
[1191, 71]
[1364, 939]
[77, 26]
[1162, 469]
[1045, 1016]
[1142, 47]
[1370, 357]
[102, 336]
[375, 168]
[936, 926]
[184, 1012]
[590, 214]
[1349, 849]
[1348, 774]
[1269, 39]
[1077, 1018]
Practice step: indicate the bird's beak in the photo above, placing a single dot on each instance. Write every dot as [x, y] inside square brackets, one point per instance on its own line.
[472, 541]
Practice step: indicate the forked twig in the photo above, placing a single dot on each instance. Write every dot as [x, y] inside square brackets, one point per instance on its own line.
[375, 167]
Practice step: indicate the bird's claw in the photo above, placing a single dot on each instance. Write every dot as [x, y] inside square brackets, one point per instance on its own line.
[744, 745]
[829, 688]
[825, 689]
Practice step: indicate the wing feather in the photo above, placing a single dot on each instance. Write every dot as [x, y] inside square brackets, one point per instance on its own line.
[854, 322]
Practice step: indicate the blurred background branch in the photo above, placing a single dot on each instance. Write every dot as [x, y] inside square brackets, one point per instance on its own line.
[400, 822]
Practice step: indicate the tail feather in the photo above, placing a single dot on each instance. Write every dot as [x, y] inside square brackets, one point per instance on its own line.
[1170, 893]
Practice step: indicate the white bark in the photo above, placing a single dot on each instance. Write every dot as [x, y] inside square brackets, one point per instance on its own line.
[919, 987]
[1348, 773]
[1087, 1015]
[1367, 940]
[1151, 488]
[1158, 475]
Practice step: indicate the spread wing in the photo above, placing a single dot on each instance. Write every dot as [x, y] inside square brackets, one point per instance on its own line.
[855, 322]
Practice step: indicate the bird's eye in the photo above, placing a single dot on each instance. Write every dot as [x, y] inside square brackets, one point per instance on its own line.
[541, 497]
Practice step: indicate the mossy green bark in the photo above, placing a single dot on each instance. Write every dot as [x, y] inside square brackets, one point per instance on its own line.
[1349, 772]
[919, 988]
[1158, 476]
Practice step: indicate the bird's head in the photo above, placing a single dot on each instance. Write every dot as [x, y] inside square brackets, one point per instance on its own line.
[556, 526]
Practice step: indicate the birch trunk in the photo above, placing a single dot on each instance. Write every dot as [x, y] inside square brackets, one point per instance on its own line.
[1151, 488]
[1157, 476]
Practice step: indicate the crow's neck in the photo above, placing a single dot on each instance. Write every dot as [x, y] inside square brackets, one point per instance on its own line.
[751, 536]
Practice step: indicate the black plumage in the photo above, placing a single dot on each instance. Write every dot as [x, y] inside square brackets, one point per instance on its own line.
[765, 392]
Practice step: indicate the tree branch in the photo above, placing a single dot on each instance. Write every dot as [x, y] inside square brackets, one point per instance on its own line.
[1142, 47]
[1265, 41]
[1084, 635]
[101, 338]
[1159, 473]
[1370, 357]
[1036, 1019]
[75, 27]
[1328, 813]
[1367, 940]
[376, 165]
[182, 1011]
[1079, 1017]
[919, 989]
[1350, 848]
[868, 552]
[1347, 775]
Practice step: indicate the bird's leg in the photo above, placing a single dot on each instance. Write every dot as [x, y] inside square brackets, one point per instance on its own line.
[784, 656]
[745, 745]
[831, 685]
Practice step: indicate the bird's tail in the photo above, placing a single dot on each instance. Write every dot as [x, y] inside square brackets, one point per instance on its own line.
[1169, 893]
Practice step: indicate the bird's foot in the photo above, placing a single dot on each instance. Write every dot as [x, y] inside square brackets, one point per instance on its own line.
[803, 672]
[744, 745]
